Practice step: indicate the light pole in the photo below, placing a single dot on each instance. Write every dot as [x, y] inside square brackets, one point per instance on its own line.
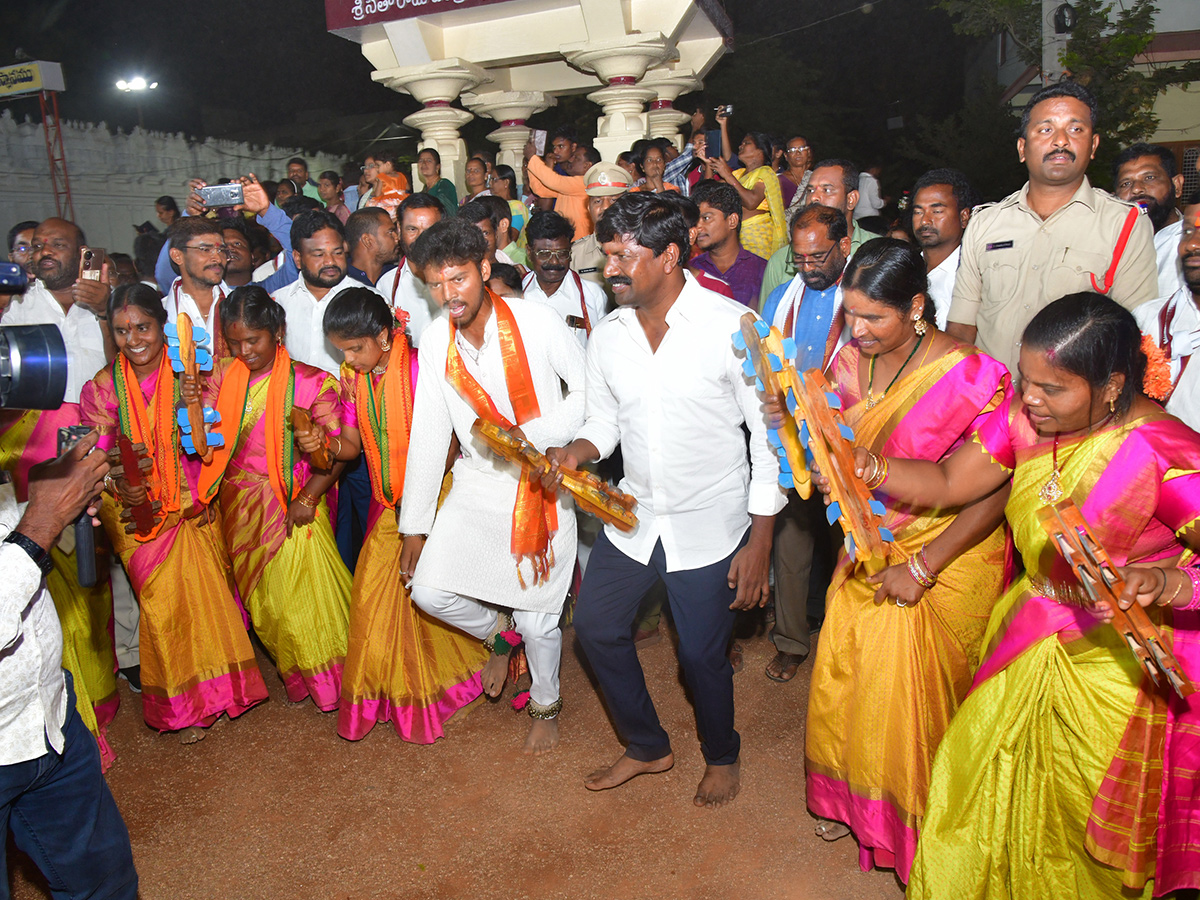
[137, 86]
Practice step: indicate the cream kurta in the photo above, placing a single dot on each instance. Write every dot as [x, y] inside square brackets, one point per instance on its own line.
[469, 547]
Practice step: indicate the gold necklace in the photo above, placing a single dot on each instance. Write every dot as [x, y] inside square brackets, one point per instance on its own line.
[1052, 491]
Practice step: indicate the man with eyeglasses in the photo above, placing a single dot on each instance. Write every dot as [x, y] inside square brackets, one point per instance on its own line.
[808, 309]
[196, 248]
[20, 251]
[580, 303]
[833, 183]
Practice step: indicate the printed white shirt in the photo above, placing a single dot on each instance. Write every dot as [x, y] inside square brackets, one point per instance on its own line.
[306, 339]
[677, 413]
[33, 693]
[572, 297]
[81, 332]
[941, 285]
[402, 288]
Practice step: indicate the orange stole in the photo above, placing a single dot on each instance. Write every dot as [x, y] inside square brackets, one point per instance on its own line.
[231, 405]
[387, 409]
[154, 428]
[535, 516]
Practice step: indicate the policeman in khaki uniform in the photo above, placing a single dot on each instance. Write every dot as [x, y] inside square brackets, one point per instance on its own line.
[603, 183]
[1057, 235]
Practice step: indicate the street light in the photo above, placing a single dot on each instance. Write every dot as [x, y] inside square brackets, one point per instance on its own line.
[136, 86]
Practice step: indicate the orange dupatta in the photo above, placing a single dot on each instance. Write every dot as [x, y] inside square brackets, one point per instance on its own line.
[231, 406]
[156, 429]
[535, 516]
[387, 409]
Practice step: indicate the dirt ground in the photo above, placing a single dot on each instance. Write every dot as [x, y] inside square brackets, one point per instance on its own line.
[276, 806]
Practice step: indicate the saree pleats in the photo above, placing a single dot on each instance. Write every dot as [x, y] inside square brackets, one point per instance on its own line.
[402, 666]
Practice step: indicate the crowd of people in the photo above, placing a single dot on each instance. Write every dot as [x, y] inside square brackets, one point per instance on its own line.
[974, 722]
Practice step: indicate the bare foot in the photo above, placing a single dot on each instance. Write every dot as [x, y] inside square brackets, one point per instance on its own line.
[543, 737]
[494, 674]
[829, 830]
[719, 785]
[193, 734]
[624, 769]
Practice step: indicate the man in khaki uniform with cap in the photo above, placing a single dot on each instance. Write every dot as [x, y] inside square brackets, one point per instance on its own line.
[604, 183]
[1058, 235]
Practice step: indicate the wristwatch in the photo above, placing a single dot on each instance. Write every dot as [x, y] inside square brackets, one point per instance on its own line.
[36, 553]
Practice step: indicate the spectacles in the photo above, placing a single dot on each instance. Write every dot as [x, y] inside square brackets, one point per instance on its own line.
[817, 259]
[208, 249]
[369, 166]
[21, 248]
[547, 255]
[796, 150]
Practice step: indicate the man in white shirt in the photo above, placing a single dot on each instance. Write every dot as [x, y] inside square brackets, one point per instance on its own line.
[1146, 174]
[52, 793]
[497, 541]
[78, 306]
[401, 286]
[485, 217]
[319, 248]
[941, 207]
[1174, 322]
[663, 381]
[579, 303]
[198, 256]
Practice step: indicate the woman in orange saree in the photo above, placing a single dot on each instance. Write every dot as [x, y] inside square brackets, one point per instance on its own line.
[1067, 772]
[196, 658]
[402, 665]
[286, 566]
[900, 643]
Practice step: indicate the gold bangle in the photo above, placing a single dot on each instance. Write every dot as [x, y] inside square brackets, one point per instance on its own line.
[879, 472]
[304, 500]
[338, 451]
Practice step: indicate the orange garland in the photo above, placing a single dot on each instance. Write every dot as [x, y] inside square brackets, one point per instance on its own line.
[1156, 383]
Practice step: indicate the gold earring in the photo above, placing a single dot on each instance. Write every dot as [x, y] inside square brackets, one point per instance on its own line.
[920, 326]
[384, 345]
[1112, 407]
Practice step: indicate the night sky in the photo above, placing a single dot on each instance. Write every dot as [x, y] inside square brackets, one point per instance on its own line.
[230, 68]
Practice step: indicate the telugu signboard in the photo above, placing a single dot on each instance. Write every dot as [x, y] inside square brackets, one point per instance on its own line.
[340, 14]
[31, 77]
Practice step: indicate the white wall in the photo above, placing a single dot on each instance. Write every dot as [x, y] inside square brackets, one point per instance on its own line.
[115, 178]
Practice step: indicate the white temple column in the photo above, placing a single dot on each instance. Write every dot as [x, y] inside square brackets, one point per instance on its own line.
[620, 64]
[435, 85]
[511, 109]
[664, 120]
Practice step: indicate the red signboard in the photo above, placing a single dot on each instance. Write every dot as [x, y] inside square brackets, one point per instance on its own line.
[340, 14]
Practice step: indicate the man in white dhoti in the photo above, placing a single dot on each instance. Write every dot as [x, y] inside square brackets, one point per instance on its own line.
[499, 540]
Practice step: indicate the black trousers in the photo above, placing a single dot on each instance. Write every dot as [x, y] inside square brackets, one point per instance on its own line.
[699, 599]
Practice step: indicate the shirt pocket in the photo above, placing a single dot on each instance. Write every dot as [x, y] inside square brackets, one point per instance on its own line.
[1072, 269]
[1001, 276]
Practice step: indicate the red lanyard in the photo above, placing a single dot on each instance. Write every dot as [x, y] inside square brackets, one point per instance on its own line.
[1166, 316]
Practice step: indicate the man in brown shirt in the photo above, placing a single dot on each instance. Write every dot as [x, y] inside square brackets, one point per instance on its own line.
[1056, 236]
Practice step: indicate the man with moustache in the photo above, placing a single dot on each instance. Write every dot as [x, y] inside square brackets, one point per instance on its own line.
[569, 190]
[832, 183]
[603, 183]
[20, 251]
[196, 248]
[1174, 322]
[497, 541]
[320, 254]
[941, 207]
[58, 296]
[403, 287]
[1146, 174]
[809, 310]
[1055, 236]
[579, 303]
[664, 382]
